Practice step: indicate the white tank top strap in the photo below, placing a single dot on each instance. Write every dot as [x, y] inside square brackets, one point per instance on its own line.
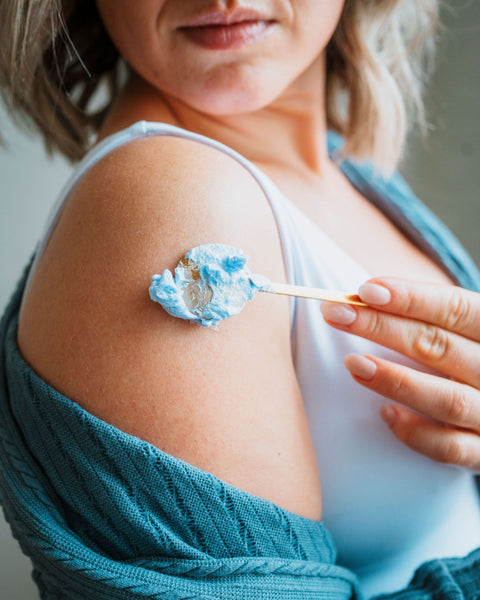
[145, 129]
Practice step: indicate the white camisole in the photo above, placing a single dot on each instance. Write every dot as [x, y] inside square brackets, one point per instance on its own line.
[388, 508]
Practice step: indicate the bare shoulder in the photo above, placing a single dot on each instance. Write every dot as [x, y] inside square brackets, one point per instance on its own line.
[89, 328]
[135, 213]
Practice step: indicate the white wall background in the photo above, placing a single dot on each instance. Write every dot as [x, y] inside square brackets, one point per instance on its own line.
[445, 173]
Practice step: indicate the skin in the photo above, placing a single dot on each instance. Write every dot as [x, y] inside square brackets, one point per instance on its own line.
[87, 325]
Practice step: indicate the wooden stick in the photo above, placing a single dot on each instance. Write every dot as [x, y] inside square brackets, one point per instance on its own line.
[315, 293]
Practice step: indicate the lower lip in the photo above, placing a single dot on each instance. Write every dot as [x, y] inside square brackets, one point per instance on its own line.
[227, 37]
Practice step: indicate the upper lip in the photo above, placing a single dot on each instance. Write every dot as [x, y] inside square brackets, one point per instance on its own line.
[225, 18]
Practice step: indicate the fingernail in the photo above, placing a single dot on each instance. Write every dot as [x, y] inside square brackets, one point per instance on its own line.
[371, 293]
[388, 414]
[361, 366]
[338, 313]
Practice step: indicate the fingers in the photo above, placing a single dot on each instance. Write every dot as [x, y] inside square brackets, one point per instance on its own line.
[441, 399]
[442, 444]
[451, 403]
[438, 326]
[446, 306]
[448, 352]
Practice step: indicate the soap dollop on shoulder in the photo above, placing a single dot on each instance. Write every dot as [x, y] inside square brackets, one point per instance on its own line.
[211, 283]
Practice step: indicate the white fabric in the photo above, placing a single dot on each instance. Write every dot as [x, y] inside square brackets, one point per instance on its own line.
[388, 508]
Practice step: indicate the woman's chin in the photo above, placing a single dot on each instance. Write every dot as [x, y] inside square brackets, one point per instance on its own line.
[231, 102]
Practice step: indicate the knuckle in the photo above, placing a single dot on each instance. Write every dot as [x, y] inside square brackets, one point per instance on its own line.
[410, 302]
[452, 453]
[401, 387]
[373, 325]
[431, 342]
[458, 312]
[457, 406]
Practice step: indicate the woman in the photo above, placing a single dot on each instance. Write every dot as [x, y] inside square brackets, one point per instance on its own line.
[262, 404]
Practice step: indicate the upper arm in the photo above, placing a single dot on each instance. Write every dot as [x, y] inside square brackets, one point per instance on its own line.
[223, 400]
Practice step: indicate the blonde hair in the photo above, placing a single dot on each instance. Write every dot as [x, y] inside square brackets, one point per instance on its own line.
[55, 56]
[379, 59]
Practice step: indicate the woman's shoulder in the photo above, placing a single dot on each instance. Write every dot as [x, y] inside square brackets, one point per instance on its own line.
[226, 401]
[156, 197]
[89, 328]
[132, 214]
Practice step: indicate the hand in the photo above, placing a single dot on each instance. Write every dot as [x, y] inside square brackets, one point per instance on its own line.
[437, 326]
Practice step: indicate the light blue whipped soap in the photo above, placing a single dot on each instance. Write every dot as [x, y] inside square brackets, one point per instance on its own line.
[211, 283]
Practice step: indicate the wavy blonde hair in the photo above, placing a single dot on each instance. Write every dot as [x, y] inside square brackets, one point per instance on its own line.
[55, 55]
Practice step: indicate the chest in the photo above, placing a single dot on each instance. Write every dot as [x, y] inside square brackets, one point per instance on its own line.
[359, 228]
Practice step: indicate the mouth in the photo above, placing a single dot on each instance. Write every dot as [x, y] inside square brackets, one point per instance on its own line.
[226, 31]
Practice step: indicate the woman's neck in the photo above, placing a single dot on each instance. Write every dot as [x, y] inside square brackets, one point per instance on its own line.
[288, 134]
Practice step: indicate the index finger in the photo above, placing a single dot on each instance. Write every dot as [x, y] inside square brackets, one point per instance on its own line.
[447, 306]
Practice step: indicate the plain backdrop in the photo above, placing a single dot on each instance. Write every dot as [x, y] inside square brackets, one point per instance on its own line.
[444, 172]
